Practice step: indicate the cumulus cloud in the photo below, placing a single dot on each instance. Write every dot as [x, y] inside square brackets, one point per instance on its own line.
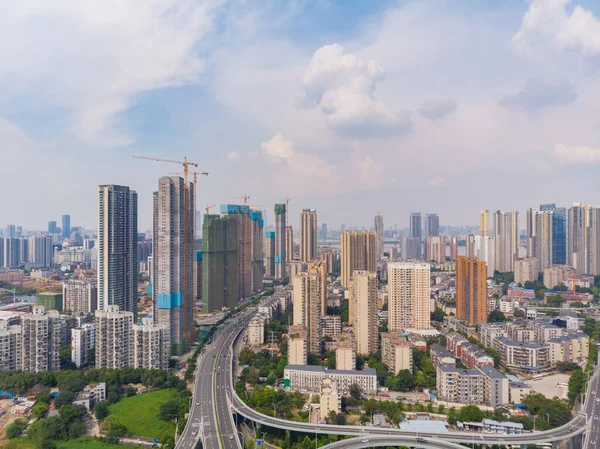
[233, 156]
[343, 87]
[437, 109]
[569, 155]
[549, 23]
[90, 59]
[539, 94]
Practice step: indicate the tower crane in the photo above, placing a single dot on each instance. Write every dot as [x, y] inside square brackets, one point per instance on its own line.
[208, 208]
[186, 164]
[244, 232]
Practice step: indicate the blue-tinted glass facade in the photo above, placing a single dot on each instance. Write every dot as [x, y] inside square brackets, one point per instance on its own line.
[559, 236]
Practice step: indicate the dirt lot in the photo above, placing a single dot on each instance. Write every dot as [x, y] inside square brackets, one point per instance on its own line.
[548, 385]
[5, 420]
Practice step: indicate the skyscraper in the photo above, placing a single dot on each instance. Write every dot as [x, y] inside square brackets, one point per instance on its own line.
[289, 245]
[66, 226]
[52, 229]
[117, 248]
[431, 225]
[173, 258]
[41, 251]
[220, 263]
[257, 251]
[471, 290]
[11, 230]
[484, 223]
[308, 235]
[543, 240]
[280, 255]
[506, 239]
[453, 248]
[380, 234]
[270, 254]
[408, 297]
[320, 267]
[365, 323]
[358, 252]
[559, 233]
[306, 296]
[416, 236]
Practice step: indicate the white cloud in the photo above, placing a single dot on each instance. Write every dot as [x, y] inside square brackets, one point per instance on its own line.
[436, 181]
[569, 155]
[437, 109]
[233, 156]
[90, 59]
[343, 86]
[548, 22]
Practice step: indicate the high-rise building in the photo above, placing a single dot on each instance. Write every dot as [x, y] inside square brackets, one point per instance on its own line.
[416, 236]
[151, 346]
[470, 245]
[396, 352]
[380, 234]
[530, 231]
[280, 255]
[484, 223]
[297, 345]
[453, 248]
[365, 323]
[10, 346]
[41, 334]
[173, 260]
[506, 239]
[320, 267]
[117, 248]
[113, 337]
[583, 238]
[436, 248]
[527, 270]
[543, 239]
[80, 296]
[11, 230]
[485, 250]
[83, 343]
[257, 251]
[307, 291]
[358, 252]
[471, 290]
[270, 254]
[10, 252]
[345, 355]
[431, 225]
[308, 235]
[408, 297]
[323, 233]
[289, 243]
[41, 251]
[52, 228]
[559, 232]
[66, 226]
[220, 262]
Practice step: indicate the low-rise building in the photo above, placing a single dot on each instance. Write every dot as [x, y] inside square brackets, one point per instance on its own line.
[484, 385]
[495, 386]
[543, 331]
[441, 356]
[473, 356]
[454, 343]
[256, 331]
[50, 300]
[489, 332]
[569, 348]
[518, 331]
[503, 427]
[523, 357]
[331, 326]
[310, 378]
[396, 352]
[517, 389]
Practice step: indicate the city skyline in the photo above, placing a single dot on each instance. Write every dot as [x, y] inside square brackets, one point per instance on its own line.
[526, 112]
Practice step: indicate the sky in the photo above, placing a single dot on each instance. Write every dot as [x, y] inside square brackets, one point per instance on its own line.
[347, 107]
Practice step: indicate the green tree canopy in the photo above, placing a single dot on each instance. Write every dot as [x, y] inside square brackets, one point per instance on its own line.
[470, 413]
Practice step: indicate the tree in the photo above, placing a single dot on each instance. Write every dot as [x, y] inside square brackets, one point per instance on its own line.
[438, 315]
[101, 410]
[250, 443]
[40, 410]
[130, 391]
[16, 429]
[566, 367]
[406, 381]
[555, 300]
[247, 356]
[496, 316]
[331, 361]
[452, 416]
[519, 313]
[470, 413]
[355, 391]
[169, 410]
[64, 398]
[575, 386]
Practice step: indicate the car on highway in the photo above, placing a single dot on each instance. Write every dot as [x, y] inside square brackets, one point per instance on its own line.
[214, 356]
[194, 432]
[421, 440]
[595, 416]
[364, 441]
[197, 403]
[231, 437]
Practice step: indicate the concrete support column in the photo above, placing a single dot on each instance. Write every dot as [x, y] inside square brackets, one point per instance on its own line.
[555, 444]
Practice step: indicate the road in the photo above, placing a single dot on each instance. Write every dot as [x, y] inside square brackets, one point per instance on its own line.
[591, 408]
[210, 414]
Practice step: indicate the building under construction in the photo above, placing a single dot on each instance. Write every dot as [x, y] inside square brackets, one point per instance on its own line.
[280, 241]
[220, 262]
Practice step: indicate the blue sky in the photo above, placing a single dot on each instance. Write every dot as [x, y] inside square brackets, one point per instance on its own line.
[349, 107]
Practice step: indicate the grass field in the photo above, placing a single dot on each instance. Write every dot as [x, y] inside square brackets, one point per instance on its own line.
[140, 414]
[75, 444]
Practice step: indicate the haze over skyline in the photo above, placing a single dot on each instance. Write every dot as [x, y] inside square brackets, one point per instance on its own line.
[427, 106]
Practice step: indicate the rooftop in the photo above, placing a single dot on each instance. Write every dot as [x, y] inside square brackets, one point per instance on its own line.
[322, 369]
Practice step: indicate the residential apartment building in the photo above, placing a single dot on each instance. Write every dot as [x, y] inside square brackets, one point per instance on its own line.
[151, 346]
[408, 296]
[173, 256]
[484, 223]
[114, 343]
[358, 252]
[569, 348]
[345, 355]
[484, 385]
[331, 326]
[330, 399]
[10, 346]
[311, 378]
[471, 290]
[80, 296]
[308, 235]
[454, 343]
[297, 345]
[256, 331]
[436, 248]
[364, 317]
[557, 274]
[526, 270]
[289, 244]
[307, 292]
[319, 267]
[379, 231]
[41, 334]
[441, 356]
[506, 239]
[473, 356]
[489, 332]
[117, 248]
[270, 254]
[517, 356]
[83, 344]
[543, 331]
[280, 255]
[396, 352]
